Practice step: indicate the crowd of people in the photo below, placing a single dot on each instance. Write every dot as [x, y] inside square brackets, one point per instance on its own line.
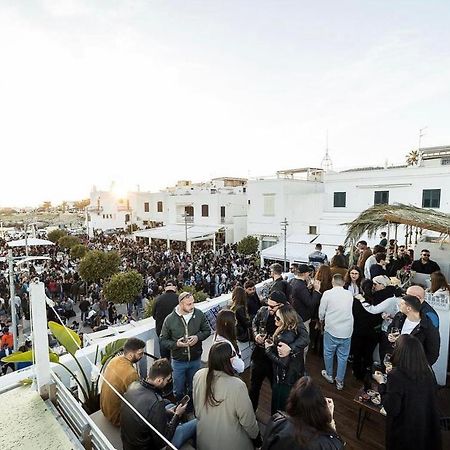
[352, 315]
[348, 308]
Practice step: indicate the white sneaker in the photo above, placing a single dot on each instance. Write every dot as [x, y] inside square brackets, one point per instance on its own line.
[327, 377]
[339, 385]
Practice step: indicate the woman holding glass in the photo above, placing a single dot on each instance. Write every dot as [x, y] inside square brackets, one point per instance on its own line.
[409, 398]
[287, 369]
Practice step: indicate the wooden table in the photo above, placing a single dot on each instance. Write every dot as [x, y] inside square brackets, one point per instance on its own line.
[365, 408]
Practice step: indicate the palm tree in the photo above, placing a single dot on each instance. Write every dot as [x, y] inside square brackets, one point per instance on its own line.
[413, 158]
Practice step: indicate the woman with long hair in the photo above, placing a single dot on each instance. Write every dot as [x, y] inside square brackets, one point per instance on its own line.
[307, 424]
[225, 415]
[409, 398]
[240, 308]
[325, 277]
[287, 369]
[439, 283]
[226, 332]
[353, 279]
[338, 265]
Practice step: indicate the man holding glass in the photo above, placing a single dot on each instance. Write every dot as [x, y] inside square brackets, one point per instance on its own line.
[263, 328]
[410, 320]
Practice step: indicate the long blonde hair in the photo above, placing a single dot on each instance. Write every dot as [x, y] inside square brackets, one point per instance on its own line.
[289, 320]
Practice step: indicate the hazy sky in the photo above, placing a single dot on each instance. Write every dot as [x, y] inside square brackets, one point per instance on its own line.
[147, 92]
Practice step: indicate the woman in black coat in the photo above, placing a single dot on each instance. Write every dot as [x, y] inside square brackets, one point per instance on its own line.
[307, 424]
[366, 333]
[409, 398]
[239, 307]
[288, 369]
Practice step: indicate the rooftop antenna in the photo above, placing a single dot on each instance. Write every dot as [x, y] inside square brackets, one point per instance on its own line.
[421, 134]
[327, 164]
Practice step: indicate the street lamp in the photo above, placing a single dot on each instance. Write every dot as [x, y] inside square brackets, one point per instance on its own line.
[12, 290]
[284, 226]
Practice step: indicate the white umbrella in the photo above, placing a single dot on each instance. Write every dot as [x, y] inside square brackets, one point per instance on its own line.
[30, 242]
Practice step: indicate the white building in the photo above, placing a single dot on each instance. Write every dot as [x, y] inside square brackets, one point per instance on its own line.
[321, 204]
[293, 195]
[217, 206]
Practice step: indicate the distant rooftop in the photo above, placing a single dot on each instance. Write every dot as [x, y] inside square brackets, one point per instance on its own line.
[435, 152]
[300, 170]
[363, 169]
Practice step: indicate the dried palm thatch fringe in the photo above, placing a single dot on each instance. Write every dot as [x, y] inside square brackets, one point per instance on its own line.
[379, 216]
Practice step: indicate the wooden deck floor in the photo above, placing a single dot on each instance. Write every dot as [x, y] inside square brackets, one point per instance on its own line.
[346, 411]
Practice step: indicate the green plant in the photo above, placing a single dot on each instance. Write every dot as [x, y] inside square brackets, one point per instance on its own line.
[148, 308]
[68, 241]
[97, 265]
[71, 342]
[56, 235]
[78, 251]
[248, 245]
[199, 296]
[124, 287]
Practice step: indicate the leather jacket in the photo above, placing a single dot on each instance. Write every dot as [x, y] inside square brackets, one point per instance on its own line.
[135, 434]
[280, 435]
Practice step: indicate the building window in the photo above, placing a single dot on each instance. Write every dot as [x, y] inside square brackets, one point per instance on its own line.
[145, 222]
[381, 198]
[244, 190]
[269, 204]
[205, 210]
[431, 198]
[248, 201]
[312, 229]
[160, 206]
[340, 199]
[146, 207]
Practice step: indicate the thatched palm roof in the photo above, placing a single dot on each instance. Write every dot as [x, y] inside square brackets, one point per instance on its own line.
[379, 216]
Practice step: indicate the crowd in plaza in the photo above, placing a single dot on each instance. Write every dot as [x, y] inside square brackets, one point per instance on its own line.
[349, 308]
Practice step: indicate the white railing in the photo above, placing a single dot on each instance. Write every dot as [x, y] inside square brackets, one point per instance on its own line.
[84, 428]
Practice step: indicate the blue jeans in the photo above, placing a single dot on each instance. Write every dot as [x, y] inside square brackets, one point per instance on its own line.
[184, 431]
[183, 374]
[339, 346]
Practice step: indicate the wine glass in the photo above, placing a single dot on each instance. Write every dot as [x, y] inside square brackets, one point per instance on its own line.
[395, 332]
[387, 362]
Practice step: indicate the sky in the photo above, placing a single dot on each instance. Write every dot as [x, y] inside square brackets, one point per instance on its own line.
[147, 92]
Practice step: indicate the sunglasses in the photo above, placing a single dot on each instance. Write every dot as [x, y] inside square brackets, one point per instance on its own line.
[425, 254]
[274, 306]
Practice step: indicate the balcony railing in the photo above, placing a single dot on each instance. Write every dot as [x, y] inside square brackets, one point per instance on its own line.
[84, 428]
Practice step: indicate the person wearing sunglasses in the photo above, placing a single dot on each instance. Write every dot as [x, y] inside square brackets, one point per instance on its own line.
[264, 327]
[286, 369]
[425, 264]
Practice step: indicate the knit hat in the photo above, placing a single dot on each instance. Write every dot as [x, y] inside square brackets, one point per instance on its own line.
[278, 296]
[304, 268]
[382, 279]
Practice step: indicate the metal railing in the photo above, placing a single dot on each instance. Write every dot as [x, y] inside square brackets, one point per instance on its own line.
[84, 428]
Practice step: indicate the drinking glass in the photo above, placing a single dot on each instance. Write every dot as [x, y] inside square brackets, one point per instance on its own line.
[395, 332]
[387, 362]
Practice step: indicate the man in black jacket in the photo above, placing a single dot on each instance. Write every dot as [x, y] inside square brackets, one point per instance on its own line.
[303, 298]
[279, 284]
[264, 327]
[411, 321]
[145, 397]
[164, 305]
[253, 301]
